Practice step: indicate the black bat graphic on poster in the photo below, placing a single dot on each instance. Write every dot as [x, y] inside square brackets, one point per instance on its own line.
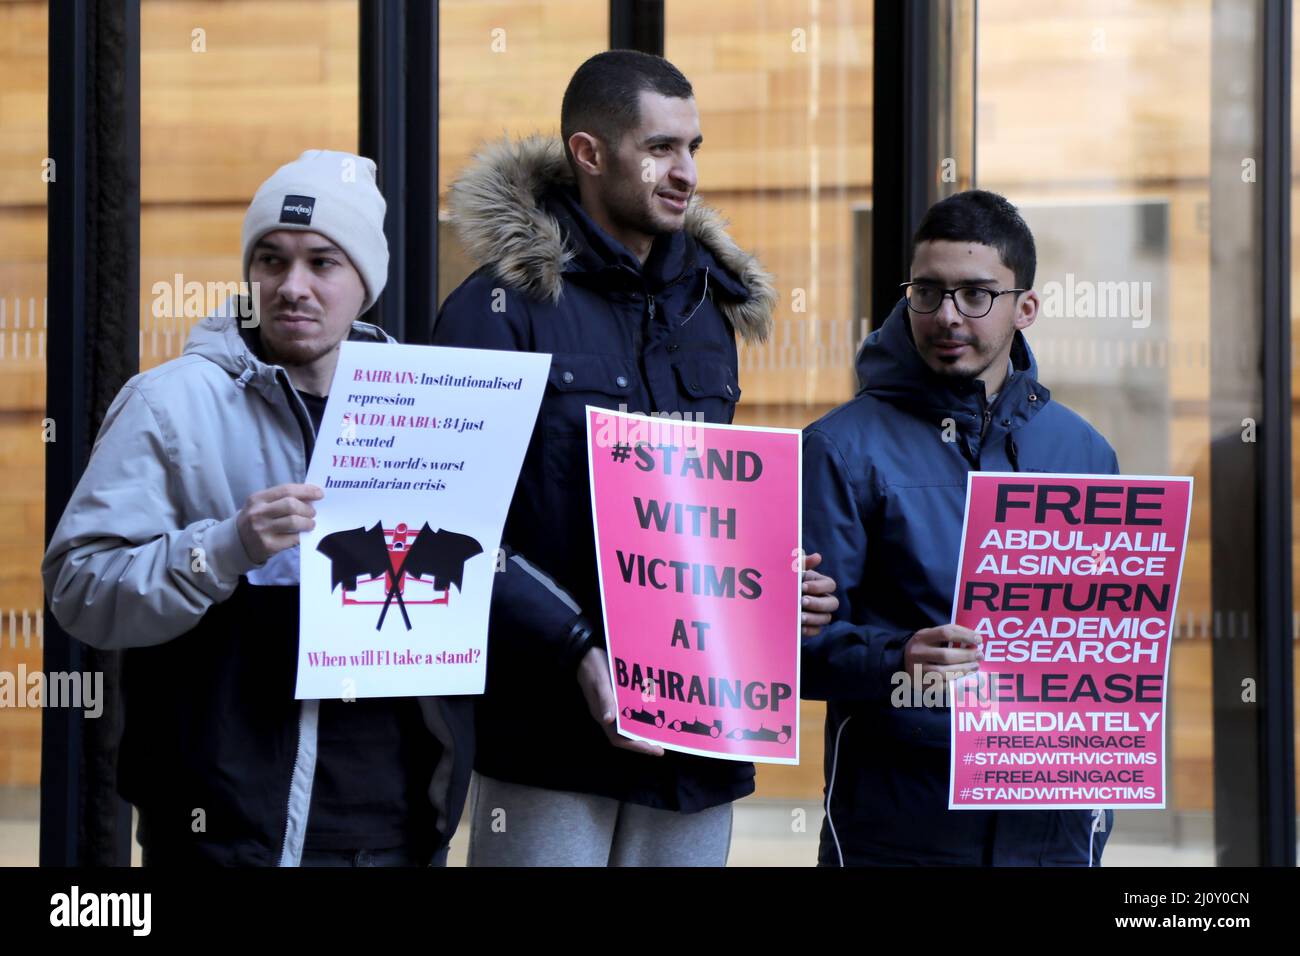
[364, 551]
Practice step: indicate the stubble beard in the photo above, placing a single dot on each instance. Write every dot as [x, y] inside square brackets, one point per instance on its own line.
[631, 208]
[296, 352]
[960, 372]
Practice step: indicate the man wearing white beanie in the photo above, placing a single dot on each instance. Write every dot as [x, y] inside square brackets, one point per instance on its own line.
[334, 195]
[180, 546]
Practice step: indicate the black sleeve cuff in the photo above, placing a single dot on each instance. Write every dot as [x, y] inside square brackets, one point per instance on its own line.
[579, 637]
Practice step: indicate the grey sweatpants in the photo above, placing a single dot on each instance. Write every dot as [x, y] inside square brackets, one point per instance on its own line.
[516, 825]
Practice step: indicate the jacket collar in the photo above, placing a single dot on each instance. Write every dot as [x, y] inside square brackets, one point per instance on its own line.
[514, 208]
[890, 368]
[596, 252]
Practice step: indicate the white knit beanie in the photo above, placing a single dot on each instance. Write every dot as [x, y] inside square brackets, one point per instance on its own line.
[334, 194]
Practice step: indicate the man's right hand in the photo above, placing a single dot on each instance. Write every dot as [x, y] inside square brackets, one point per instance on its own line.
[593, 678]
[272, 520]
[950, 650]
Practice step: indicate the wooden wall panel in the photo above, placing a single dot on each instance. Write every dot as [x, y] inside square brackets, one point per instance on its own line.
[23, 45]
[493, 82]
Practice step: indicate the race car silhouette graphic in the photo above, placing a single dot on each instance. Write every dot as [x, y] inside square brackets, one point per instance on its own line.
[644, 716]
[777, 736]
[697, 727]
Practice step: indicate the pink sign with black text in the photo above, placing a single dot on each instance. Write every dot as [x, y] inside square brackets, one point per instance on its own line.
[1072, 583]
[697, 540]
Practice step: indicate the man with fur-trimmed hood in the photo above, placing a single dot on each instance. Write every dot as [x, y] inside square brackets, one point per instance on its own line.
[595, 249]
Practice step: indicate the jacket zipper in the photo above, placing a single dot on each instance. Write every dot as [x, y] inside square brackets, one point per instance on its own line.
[650, 317]
[300, 412]
[639, 339]
[309, 444]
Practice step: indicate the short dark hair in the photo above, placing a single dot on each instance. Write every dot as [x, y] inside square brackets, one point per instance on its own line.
[978, 215]
[603, 97]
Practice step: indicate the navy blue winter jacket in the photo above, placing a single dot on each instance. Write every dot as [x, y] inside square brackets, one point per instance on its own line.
[884, 495]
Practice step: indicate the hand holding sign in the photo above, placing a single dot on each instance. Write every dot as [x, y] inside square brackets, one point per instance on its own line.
[819, 601]
[593, 678]
[949, 649]
[271, 520]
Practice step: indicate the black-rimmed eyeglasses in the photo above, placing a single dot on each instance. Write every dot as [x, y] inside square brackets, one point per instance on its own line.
[972, 301]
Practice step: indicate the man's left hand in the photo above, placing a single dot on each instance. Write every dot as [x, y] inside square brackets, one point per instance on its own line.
[818, 602]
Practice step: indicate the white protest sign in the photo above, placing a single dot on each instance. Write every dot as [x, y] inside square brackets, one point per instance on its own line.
[418, 453]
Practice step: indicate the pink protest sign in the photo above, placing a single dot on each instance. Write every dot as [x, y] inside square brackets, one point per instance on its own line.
[1072, 581]
[697, 537]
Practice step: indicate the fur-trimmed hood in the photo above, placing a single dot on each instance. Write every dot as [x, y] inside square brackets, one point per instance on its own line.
[497, 212]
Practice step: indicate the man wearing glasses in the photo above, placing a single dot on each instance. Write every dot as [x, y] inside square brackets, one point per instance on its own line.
[948, 385]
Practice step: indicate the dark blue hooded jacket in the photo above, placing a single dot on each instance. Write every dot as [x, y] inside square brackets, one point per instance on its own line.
[658, 337]
[884, 495]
